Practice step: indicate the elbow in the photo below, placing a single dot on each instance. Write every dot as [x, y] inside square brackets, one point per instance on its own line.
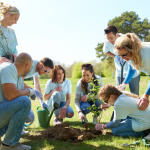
[9, 97]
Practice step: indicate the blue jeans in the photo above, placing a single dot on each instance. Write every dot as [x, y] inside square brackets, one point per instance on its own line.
[133, 84]
[12, 117]
[125, 129]
[85, 105]
[56, 97]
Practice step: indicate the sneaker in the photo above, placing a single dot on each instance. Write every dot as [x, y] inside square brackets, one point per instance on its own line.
[19, 146]
[57, 121]
[147, 137]
[24, 133]
[95, 120]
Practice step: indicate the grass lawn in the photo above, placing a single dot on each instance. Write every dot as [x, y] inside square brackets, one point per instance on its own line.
[103, 142]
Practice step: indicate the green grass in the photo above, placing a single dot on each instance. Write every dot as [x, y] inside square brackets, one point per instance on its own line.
[103, 142]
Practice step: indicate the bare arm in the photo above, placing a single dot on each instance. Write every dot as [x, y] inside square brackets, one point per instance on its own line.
[47, 96]
[37, 84]
[110, 54]
[11, 91]
[68, 98]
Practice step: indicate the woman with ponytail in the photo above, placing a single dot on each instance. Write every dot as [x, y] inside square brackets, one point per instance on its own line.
[137, 53]
[125, 104]
[8, 40]
[82, 99]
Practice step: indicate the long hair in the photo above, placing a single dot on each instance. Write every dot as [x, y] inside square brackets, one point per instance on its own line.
[107, 90]
[133, 44]
[84, 84]
[54, 73]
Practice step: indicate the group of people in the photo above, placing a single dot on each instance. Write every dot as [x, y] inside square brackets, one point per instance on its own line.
[131, 113]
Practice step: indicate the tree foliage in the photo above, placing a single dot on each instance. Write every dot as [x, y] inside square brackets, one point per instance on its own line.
[76, 73]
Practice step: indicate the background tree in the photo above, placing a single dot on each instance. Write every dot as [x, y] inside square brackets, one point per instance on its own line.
[76, 73]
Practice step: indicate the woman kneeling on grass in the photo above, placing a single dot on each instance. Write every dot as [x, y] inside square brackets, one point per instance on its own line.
[82, 100]
[58, 89]
[125, 104]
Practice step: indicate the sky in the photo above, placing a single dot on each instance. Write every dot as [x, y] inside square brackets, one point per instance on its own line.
[68, 31]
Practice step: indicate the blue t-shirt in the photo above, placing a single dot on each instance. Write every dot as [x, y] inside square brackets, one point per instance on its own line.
[108, 47]
[11, 40]
[33, 70]
[66, 88]
[128, 106]
[79, 89]
[9, 74]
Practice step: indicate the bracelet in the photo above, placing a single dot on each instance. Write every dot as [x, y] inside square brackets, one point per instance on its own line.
[79, 111]
[65, 106]
[102, 126]
[29, 90]
[147, 96]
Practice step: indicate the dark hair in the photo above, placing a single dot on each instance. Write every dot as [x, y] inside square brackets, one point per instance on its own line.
[84, 84]
[47, 62]
[54, 73]
[112, 29]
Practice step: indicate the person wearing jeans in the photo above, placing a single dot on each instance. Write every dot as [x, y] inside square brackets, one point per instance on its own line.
[14, 102]
[84, 85]
[58, 90]
[125, 104]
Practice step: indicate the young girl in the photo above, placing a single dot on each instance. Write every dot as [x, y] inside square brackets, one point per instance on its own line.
[125, 104]
[82, 101]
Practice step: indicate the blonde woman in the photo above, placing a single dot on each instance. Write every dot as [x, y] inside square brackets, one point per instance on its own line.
[137, 53]
[8, 40]
[125, 104]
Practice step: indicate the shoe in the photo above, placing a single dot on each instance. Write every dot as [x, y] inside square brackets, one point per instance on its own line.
[19, 146]
[147, 137]
[24, 133]
[95, 121]
[57, 121]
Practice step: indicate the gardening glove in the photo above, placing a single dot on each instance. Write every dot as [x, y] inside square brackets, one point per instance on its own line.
[144, 102]
[38, 95]
[99, 126]
[30, 118]
[31, 92]
[81, 115]
[63, 112]
[118, 58]
[122, 86]
[43, 104]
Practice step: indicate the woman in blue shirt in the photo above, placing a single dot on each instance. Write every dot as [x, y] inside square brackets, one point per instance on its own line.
[137, 53]
[8, 40]
[58, 89]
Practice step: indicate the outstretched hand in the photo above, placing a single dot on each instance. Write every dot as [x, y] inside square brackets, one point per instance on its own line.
[63, 112]
[143, 103]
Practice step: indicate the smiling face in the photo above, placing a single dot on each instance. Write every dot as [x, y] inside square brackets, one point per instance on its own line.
[111, 37]
[124, 54]
[87, 75]
[60, 75]
[12, 19]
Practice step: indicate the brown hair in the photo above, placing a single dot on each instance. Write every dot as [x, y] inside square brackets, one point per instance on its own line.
[107, 90]
[47, 62]
[54, 73]
[84, 84]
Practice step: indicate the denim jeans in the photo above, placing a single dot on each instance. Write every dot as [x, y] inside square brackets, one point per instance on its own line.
[125, 129]
[133, 84]
[85, 105]
[56, 97]
[12, 117]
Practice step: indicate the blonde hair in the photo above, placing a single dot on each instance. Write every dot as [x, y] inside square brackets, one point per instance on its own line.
[133, 44]
[107, 90]
[8, 8]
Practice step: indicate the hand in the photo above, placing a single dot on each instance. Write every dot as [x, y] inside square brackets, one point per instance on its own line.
[84, 98]
[4, 60]
[63, 112]
[30, 118]
[58, 89]
[81, 115]
[118, 58]
[143, 103]
[38, 95]
[122, 86]
[105, 106]
[33, 97]
[14, 56]
[99, 126]
[43, 104]
[31, 92]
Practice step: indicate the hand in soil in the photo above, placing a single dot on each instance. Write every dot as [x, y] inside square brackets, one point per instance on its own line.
[99, 126]
[62, 112]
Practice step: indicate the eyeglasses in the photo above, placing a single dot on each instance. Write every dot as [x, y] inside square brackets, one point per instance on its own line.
[107, 100]
[124, 55]
[85, 65]
[45, 69]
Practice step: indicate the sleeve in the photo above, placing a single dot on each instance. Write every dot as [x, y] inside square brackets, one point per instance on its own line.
[113, 123]
[77, 102]
[47, 89]
[105, 48]
[36, 74]
[8, 75]
[15, 51]
[78, 87]
[69, 87]
[129, 75]
[148, 88]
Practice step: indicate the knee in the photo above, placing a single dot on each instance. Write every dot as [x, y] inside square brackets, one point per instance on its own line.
[114, 132]
[70, 115]
[26, 101]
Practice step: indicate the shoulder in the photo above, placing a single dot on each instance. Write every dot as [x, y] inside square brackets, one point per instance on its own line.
[11, 30]
[7, 65]
[67, 81]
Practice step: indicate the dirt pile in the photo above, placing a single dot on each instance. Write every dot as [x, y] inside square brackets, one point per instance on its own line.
[64, 132]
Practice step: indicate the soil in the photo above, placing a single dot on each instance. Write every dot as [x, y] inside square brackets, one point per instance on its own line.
[64, 132]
